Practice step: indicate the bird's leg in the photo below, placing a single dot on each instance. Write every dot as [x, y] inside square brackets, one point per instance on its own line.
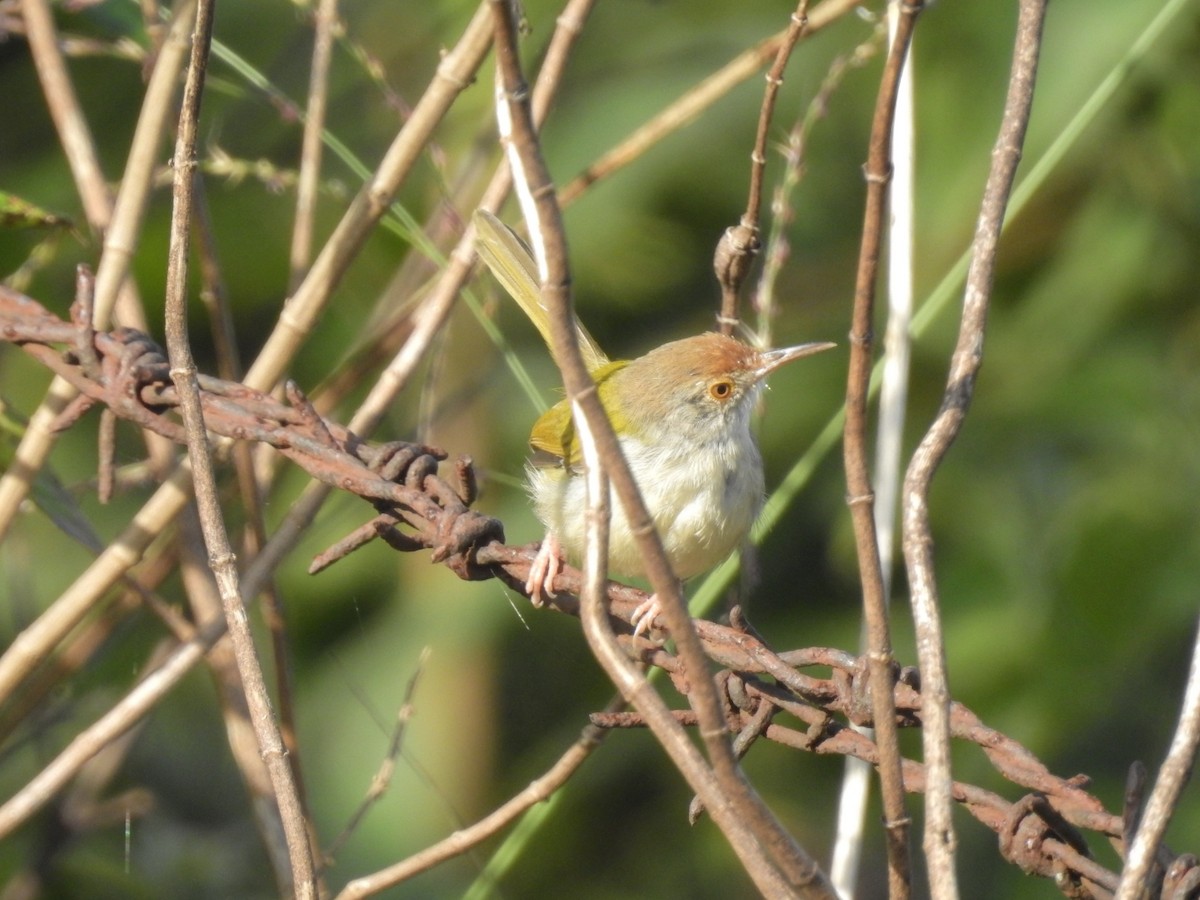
[544, 569]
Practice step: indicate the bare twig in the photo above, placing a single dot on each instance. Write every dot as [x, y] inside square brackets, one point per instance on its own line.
[537, 791]
[296, 320]
[1143, 854]
[215, 297]
[740, 243]
[852, 806]
[776, 248]
[205, 602]
[383, 775]
[699, 98]
[310, 148]
[964, 366]
[216, 539]
[74, 134]
[861, 497]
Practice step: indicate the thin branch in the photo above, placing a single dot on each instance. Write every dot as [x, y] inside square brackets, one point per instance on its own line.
[964, 367]
[694, 101]
[215, 297]
[852, 808]
[220, 553]
[740, 244]
[776, 249]
[1143, 854]
[297, 318]
[383, 775]
[310, 146]
[537, 791]
[860, 495]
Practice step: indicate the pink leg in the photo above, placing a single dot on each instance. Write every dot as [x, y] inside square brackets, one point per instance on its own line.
[544, 569]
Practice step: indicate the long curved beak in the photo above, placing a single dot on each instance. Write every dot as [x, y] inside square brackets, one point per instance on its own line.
[770, 360]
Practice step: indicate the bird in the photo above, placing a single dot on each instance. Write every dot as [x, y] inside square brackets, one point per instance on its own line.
[682, 414]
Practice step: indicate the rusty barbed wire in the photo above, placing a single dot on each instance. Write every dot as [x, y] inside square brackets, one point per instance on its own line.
[1042, 832]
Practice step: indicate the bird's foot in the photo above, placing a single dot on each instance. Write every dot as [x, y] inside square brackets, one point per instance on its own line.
[644, 615]
[544, 569]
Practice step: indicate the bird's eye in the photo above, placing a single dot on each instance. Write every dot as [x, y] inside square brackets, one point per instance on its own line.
[720, 390]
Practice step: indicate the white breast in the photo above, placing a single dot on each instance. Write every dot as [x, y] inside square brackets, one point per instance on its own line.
[703, 503]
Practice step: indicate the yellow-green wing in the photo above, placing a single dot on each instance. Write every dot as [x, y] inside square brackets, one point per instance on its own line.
[515, 269]
[554, 431]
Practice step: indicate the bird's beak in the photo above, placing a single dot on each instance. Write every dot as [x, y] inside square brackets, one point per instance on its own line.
[770, 360]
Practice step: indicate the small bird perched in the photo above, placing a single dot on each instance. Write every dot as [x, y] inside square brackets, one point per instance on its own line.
[682, 415]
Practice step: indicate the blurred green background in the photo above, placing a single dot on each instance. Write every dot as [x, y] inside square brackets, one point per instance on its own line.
[1068, 547]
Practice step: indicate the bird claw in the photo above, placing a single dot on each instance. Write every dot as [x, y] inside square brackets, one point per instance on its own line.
[547, 565]
[543, 570]
[644, 615]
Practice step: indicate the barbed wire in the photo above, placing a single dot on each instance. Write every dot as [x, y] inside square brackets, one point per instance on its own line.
[417, 509]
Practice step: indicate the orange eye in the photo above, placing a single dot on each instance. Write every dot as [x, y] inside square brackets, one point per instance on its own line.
[721, 390]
